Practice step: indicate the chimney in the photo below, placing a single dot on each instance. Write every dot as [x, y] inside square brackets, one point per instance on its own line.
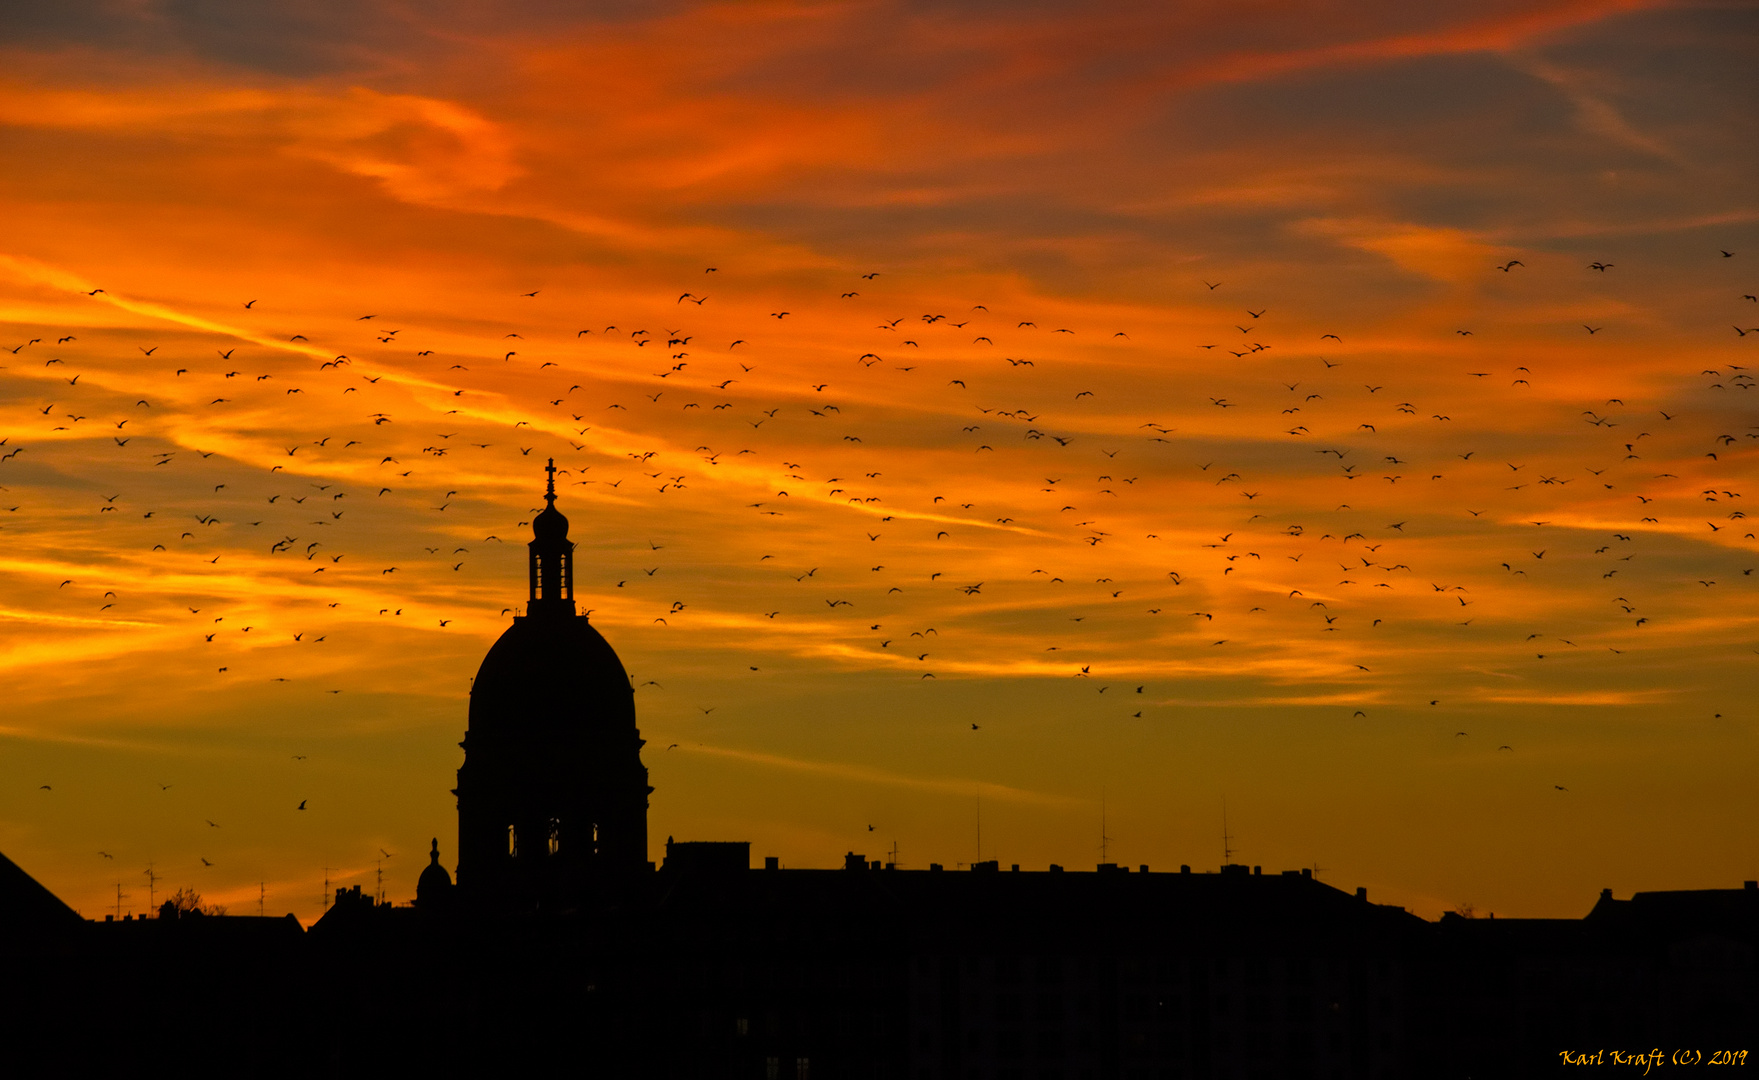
[1184, 868]
[1606, 894]
[771, 862]
[1362, 892]
[1306, 871]
[853, 861]
[1257, 870]
[1751, 885]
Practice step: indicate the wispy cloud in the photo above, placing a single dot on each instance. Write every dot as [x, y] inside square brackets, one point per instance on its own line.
[862, 774]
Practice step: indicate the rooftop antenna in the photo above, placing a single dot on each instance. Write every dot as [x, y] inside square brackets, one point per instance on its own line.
[894, 853]
[325, 901]
[1104, 840]
[1227, 852]
[119, 895]
[262, 894]
[152, 884]
[1318, 869]
[381, 872]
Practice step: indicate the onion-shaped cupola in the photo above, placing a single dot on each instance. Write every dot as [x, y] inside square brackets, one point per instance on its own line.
[433, 889]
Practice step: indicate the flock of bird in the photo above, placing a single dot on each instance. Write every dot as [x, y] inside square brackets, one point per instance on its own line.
[1074, 543]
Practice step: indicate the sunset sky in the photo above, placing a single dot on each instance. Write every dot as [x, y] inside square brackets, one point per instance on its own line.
[979, 421]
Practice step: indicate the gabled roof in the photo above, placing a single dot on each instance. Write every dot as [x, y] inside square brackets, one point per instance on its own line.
[26, 907]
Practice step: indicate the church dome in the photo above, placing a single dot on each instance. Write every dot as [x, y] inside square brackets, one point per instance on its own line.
[552, 671]
[434, 884]
[550, 525]
[552, 795]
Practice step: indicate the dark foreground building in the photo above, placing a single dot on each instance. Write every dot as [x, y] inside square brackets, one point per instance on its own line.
[561, 950]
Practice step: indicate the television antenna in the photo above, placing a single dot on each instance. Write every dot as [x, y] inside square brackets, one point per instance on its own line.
[119, 896]
[1227, 852]
[262, 894]
[152, 884]
[1104, 840]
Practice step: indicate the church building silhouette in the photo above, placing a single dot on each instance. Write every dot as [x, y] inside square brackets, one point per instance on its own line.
[560, 945]
[552, 795]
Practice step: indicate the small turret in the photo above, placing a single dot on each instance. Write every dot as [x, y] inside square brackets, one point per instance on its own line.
[433, 890]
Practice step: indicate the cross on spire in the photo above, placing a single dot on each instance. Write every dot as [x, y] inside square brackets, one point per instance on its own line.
[550, 492]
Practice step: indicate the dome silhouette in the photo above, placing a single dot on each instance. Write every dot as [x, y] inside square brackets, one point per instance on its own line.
[550, 525]
[552, 795]
[434, 887]
[556, 673]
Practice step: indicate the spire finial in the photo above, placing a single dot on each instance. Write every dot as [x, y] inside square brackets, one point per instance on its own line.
[550, 491]
[434, 855]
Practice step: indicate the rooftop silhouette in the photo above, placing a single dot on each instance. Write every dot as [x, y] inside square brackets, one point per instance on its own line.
[708, 965]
